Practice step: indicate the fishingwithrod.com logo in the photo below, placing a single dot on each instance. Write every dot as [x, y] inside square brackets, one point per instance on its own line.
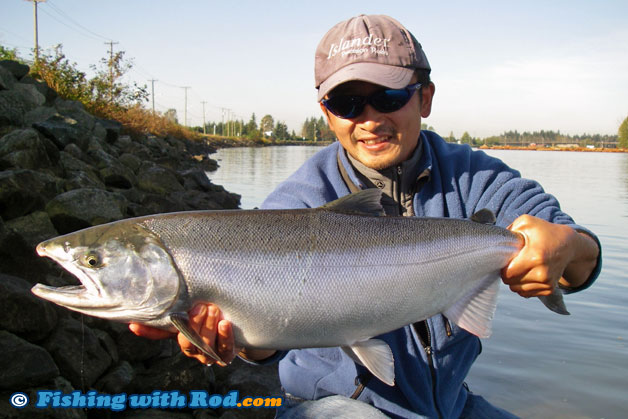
[196, 399]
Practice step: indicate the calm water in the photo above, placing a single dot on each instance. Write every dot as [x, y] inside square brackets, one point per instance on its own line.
[537, 364]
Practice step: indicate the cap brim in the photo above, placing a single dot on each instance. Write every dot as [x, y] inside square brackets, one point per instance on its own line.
[385, 75]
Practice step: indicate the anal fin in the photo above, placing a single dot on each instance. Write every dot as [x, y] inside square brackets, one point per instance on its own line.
[376, 356]
[180, 321]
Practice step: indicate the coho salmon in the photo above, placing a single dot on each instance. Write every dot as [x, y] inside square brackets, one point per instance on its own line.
[337, 275]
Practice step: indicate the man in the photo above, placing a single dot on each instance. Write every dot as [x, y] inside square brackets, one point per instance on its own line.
[373, 86]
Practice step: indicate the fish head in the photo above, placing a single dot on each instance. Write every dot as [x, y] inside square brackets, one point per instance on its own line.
[126, 273]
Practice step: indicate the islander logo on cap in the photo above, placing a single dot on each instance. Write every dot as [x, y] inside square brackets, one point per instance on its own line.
[373, 48]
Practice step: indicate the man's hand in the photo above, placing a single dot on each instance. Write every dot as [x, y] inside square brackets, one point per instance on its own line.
[552, 253]
[207, 321]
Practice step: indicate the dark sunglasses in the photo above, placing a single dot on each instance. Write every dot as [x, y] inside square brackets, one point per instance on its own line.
[385, 101]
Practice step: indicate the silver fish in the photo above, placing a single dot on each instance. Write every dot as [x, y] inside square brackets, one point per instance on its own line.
[336, 275]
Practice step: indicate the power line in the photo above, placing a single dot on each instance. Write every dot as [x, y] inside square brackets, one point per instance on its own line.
[70, 27]
[62, 13]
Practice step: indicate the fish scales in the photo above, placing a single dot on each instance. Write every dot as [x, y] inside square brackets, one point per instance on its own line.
[295, 278]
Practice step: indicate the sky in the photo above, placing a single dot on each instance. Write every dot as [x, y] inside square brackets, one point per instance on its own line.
[497, 65]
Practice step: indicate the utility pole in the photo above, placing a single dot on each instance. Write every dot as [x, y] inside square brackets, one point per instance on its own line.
[204, 127]
[111, 44]
[222, 110]
[35, 28]
[152, 83]
[230, 122]
[185, 112]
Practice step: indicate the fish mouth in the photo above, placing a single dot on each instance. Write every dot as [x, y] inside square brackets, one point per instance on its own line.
[71, 296]
[86, 295]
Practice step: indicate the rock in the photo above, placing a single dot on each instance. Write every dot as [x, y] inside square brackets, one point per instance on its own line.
[79, 180]
[63, 130]
[117, 379]
[196, 179]
[23, 191]
[197, 200]
[49, 94]
[22, 312]
[77, 352]
[75, 151]
[33, 228]
[7, 79]
[12, 110]
[136, 348]
[18, 70]
[39, 115]
[23, 149]
[107, 342]
[81, 208]
[157, 414]
[30, 96]
[175, 373]
[113, 129]
[249, 380]
[23, 364]
[130, 161]
[158, 180]
[113, 173]
[157, 204]
[15, 254]
[76, 111]
[70, 163]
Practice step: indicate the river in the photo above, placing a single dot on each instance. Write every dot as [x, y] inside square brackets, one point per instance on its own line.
[537, 364]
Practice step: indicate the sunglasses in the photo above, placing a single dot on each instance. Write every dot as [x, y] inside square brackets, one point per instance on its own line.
[385, 101]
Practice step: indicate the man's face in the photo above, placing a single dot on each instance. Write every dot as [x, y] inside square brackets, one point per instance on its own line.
[380, 140]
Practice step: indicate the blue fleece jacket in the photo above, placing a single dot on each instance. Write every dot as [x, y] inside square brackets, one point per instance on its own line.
[461, 181]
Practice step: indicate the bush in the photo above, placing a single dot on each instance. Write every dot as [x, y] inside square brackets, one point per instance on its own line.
[104, 95]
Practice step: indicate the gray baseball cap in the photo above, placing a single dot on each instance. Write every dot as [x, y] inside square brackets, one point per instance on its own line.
[371, 48]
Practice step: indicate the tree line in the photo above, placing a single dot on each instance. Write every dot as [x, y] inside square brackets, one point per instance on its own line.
[543, 138]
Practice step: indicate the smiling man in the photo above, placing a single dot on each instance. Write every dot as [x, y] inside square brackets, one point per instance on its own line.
[373, 82]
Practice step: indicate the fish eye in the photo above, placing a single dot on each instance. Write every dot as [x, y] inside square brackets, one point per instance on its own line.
[92, 260]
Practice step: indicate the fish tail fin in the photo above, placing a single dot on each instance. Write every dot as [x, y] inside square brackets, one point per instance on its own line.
[555, 302]
[474, 311]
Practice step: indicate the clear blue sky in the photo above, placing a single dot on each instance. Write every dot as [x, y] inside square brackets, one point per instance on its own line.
[497, 65]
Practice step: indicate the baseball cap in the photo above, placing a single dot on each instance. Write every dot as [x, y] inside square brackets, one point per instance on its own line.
[371, 48]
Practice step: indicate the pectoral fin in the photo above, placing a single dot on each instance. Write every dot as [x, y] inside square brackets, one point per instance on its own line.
[180, 321]
[376, 356]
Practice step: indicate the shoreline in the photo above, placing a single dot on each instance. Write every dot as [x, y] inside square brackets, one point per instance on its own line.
[573, 149]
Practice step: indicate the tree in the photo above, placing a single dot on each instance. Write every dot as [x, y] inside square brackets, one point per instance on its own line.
[171, 115]
[251, 129]
[266, 125]
[466, 138]
[622, 134]
[8, 54]
[280, 132]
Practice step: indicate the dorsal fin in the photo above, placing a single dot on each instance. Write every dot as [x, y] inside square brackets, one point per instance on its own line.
[366, 202]
[484, 216]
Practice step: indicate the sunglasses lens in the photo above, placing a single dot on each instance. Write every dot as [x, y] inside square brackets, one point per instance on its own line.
[390, 100]
[345, 106]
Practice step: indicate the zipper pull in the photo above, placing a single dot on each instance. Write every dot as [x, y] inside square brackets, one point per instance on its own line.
[428, 351]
